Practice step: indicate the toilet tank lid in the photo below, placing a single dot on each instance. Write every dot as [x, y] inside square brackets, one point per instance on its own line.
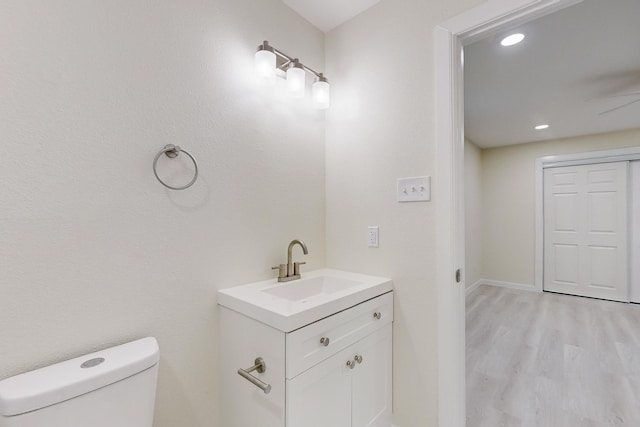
[62, 381]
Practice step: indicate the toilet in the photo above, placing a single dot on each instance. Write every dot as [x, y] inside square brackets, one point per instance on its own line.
[115, 387]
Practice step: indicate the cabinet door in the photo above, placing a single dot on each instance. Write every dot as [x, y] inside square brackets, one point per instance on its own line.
[371, 381]
[242, 403]
[321, 396]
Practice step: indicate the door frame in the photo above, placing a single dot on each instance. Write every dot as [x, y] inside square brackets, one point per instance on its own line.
[450, 36]
[575, 159]
[634, 254]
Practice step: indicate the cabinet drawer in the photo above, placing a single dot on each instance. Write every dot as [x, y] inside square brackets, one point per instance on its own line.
[304, 348]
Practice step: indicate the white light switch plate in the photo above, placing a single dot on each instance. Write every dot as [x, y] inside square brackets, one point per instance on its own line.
[417, 189]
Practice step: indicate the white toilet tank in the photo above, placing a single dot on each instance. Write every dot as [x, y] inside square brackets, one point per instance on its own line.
[115, 387]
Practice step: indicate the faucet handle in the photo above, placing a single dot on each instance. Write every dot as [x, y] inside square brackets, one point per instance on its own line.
[282, 270]
[296, 267]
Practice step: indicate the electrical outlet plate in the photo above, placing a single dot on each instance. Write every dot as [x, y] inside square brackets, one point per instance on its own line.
[372, 235]
[417, 189]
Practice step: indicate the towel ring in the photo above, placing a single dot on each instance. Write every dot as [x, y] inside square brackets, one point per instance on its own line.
[172, 152]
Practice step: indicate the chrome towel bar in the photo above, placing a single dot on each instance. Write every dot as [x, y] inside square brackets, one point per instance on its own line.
[259, 366]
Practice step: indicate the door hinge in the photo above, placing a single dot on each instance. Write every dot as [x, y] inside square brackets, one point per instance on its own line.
[458, 276]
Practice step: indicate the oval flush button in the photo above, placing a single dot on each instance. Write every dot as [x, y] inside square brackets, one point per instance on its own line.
[92, 362]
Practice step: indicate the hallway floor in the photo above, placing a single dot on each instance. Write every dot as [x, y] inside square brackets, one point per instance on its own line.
[551, 360]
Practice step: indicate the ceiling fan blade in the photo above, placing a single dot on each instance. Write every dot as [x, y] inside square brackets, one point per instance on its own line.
[619, 107]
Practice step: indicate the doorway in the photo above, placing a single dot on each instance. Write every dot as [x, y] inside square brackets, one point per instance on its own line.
[449, 39]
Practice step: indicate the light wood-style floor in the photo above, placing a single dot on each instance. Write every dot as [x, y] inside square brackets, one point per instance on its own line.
[551, 360]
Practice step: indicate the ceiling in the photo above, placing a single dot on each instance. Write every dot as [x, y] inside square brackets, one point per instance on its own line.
[571, 67]
[328, 14]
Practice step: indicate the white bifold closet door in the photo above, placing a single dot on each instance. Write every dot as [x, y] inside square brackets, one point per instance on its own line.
[585, 230]
[634, 294]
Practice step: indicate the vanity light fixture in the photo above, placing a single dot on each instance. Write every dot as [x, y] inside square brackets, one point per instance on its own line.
[513, 39]
[542, 127]
[269, 59]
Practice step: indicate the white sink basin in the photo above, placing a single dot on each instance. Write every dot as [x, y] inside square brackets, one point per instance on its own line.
[313, 287]
[291, 305]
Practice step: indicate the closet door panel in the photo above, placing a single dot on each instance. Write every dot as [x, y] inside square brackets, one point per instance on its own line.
[586, 230]
[635, 232]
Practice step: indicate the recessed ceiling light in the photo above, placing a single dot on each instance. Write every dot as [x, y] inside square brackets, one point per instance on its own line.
[541, 127]
[512, 39]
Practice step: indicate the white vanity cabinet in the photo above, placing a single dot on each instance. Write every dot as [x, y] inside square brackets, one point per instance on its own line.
[334, 372]
[334, 394]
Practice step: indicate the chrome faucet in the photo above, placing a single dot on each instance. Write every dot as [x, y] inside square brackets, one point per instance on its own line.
[291, 270]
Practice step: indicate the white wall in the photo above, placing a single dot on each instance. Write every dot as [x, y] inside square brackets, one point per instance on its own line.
[508, 175]
[94, 251]
[381, 127]
[473, 211]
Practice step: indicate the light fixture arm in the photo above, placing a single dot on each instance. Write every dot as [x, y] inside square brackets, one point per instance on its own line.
[288, 59]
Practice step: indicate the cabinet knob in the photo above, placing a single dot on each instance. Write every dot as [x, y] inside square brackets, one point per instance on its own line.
[324, 341]
[377, 315]
[358, 358]
[351, 364]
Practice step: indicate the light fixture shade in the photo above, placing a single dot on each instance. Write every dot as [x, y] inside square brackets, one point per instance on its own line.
[265, 61]
[296, 79]
[320, 93]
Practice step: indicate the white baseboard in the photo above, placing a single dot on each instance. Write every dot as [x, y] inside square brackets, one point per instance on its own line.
[501, 284]
[473, 287]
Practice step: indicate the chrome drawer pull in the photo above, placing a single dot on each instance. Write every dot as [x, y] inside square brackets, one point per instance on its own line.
[351, 364]
[259, 366]
[324, 341]
[377, 315]
[358, 359]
